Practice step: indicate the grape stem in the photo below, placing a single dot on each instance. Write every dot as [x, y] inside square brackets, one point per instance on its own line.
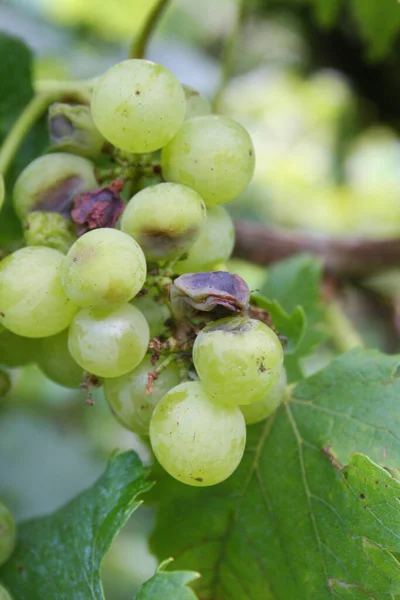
[153, 375]
[47, 92]
[139, 44]
[228, 53]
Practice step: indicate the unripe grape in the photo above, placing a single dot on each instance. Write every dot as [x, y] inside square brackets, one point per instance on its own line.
[213, 246]
[4, 595]
[155, 312]
[7, 534]
[138, 105]
[56, 362]
[165, 219]
[258, 411]
[48, 229]
[196, 440]
[109, 343]
[32, 300]
[51, 182]
[196, 104]
[238, 359]
[72, 129]
[128, 399]
[103, 269]
[214, 155]
[5, 383]
[15, 350]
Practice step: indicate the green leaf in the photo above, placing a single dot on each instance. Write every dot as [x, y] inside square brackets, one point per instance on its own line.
[379, 23]
[291, 326]
[59, 556]
[292, 295]
[16, 92]
[167, 585]
[289, 523]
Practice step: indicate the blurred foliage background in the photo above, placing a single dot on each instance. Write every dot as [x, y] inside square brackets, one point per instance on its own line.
[316, 84]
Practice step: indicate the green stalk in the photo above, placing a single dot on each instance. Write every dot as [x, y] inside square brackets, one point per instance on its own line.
[228, 53]
[139, 44]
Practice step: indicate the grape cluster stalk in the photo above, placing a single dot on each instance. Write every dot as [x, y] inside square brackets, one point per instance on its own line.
[122, 280]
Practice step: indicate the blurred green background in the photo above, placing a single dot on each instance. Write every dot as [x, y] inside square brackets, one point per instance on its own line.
[325, 127]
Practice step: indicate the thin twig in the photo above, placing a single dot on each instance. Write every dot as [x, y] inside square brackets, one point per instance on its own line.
[228, 53]
[139, 44]
[356, 257]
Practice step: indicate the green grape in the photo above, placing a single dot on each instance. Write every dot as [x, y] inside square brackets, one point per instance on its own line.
[51, 182]
[196, 440]
[214, 245]
[7, 534]
[156, 313]
[214, 155]
[32, 300]
[16, 351]
[5, 383]
[109, 343]
[4, 595]
[49, 229]
[128, 399]
[103, 269]
[238, 359]
[165, 219]
[258, 411]
[56, 362]
[138, 105]
[196, 104]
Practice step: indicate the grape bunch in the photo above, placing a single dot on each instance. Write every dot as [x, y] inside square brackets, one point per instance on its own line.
[122, 282]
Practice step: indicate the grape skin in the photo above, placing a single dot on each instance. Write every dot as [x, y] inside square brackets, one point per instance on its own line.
[196, 440]
[103, 269]
[128, 399]
[165, 219]
[214, 155]
[214, 245]
[238, 359]
[56, 362]
[32, 300]
[51, 182]
[258, 411]
[109, 343]
[138, 105]
[7, 534]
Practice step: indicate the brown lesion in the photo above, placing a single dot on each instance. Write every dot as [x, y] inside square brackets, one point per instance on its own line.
[59, 197]
[161, 243]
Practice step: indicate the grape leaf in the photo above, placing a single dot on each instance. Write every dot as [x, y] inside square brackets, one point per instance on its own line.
[16, 92]
[291, 326]
[168, 585]
[59, 555]
[290, 523]
[292, 295]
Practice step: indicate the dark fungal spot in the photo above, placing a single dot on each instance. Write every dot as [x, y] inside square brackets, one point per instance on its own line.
[137, 92]
[198, 479]
[362, 496]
